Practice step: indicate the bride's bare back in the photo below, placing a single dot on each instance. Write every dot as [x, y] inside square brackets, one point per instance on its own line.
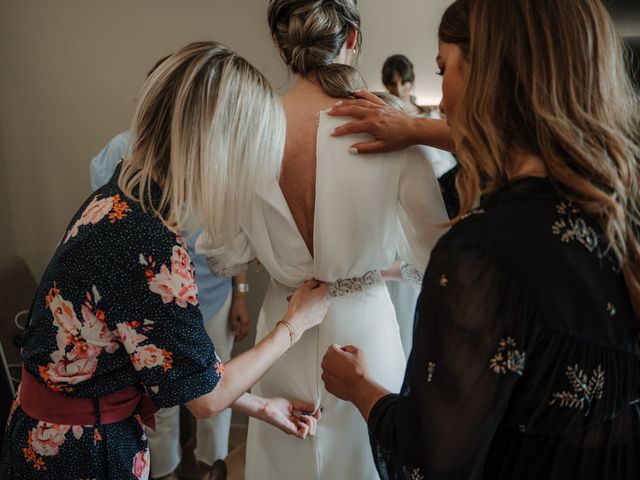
[298, 179]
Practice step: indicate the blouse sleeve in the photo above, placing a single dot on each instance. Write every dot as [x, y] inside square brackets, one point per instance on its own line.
[229, 259]
[153, 311]
[421, 215]
[467, 356]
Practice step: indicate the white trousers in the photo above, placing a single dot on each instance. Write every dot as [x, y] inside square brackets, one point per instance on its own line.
[212, 434]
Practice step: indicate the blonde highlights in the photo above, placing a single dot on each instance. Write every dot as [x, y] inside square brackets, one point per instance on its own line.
[209, 131]
[551, 78]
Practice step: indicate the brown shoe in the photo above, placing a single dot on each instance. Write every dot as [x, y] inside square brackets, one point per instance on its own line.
[218, 471]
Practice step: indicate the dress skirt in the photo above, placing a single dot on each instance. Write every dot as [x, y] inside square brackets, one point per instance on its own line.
[341, 448]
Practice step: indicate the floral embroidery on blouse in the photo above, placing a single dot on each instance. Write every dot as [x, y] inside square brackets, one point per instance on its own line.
[412, 474]
[508, 358]
[611, 308]
[177, 284]
[143, 356]
[572, 227]
[80, 342]
[431, 368]
[97, 209]
[585, 389]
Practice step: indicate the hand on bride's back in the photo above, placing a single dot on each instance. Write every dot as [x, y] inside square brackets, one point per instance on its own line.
[308, 305]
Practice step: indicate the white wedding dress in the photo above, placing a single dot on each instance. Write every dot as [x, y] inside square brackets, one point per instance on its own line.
[368, 209]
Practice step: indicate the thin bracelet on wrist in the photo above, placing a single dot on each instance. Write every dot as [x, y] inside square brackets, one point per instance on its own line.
[292, 333]
[241, 287]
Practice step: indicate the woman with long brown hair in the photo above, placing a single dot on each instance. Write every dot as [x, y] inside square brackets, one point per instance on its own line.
[526, 355]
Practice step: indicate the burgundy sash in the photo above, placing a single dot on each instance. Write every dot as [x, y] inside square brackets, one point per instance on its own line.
[42, 403]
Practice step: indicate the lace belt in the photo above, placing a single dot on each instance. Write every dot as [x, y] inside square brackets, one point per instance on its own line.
[346, 286]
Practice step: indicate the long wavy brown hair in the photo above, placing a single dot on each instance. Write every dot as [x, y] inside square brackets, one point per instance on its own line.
[552, 79]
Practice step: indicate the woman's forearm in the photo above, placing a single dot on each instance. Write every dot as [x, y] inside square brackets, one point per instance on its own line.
[392, 274]
[365, 395]
[432, 132]
[249, 404]
[241, 373]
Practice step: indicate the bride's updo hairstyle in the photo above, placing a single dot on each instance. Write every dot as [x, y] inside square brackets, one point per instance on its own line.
[551, 80]
[310, 35]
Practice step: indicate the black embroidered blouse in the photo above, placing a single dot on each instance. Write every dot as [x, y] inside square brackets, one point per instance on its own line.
[526, 353]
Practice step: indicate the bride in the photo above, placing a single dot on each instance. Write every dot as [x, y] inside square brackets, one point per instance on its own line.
[339, 218]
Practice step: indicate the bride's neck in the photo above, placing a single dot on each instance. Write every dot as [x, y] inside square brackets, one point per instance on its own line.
[307, 85]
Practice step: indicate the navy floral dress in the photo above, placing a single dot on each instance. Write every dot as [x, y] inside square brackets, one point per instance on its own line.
[526, 354]
[116, 307]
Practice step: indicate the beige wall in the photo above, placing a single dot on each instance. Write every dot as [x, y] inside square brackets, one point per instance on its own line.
[71, 70]
[6, 236]
[402, 26]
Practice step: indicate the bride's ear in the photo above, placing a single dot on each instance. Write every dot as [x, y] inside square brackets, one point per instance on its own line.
[352, 39]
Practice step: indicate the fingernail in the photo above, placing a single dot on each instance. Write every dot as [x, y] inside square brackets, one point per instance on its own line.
[354, 151]
[333, 132]
[338, 103]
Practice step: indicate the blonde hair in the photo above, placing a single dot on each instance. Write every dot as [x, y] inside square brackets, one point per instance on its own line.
[391, 100]
[209, 130]
[551, 79]
[310, 35]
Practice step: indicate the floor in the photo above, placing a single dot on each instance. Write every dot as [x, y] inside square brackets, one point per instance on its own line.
[189, 470]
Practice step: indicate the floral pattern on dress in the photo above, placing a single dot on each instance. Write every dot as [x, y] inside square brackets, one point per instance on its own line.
[141, 464]
[98, 209]
[176, 284]
[143, 356]
[80, 342]
[44, 440]
[96, 327]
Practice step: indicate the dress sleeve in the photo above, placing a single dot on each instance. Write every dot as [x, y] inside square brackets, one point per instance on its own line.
[421, 214]
[153, 312]
[229, 259]
[468, 353]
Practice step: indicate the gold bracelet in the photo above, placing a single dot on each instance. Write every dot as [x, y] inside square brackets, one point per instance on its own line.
[292, 333]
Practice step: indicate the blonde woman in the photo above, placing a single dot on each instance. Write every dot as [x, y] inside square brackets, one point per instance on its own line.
[526, 355]
[115, 331]
[338, 218]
